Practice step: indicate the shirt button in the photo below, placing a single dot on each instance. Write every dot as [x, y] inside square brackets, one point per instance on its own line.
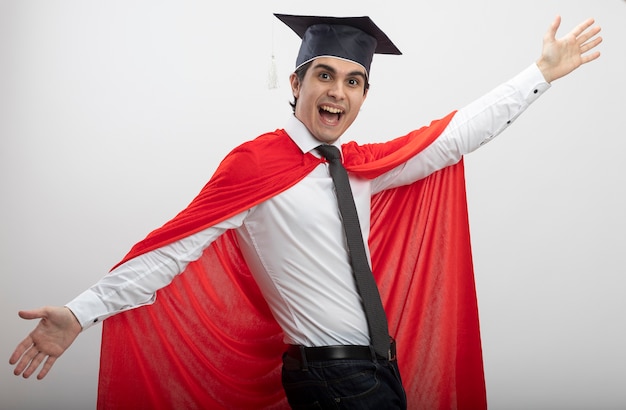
[536, 91]
[95, 320]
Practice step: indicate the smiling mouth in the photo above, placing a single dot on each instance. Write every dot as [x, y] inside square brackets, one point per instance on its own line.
[330, 114]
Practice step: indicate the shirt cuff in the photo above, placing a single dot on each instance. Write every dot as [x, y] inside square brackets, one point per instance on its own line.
[88, 309]
[531, 83]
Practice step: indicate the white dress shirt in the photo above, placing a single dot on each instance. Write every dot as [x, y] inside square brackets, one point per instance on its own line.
[294, 244]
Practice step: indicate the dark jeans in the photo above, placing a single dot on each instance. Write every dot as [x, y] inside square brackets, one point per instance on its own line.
[343, 384]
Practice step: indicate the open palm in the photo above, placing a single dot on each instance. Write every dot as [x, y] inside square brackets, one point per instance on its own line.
[55, 332]
[561, 56]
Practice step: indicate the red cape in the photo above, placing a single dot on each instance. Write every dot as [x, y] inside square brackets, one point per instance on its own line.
[210, 341]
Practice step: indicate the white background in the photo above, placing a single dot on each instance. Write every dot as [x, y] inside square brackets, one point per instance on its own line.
[114, 114]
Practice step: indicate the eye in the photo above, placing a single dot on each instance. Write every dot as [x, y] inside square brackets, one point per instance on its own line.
[324, 76]
[353, 82]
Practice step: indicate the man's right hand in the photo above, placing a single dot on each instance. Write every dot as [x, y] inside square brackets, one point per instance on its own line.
[560, 57]
[55, 332]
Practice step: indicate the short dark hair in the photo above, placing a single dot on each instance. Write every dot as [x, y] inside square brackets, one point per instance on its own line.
[301, 72]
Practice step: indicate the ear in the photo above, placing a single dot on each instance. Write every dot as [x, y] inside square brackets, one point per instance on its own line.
[295, 85]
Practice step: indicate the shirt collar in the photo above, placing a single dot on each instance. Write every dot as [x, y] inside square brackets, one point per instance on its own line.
[300, 134]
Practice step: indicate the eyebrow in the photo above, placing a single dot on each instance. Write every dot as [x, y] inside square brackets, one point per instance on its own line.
[333, 71]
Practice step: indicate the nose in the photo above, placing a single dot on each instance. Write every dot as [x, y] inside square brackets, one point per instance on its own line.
[337, 90]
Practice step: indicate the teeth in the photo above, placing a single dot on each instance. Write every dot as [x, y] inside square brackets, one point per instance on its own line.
[331, 109]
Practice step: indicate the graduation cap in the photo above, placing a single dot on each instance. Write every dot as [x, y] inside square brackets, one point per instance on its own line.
[352, 38]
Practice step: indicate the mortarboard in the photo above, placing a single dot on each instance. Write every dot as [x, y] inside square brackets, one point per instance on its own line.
[351, 38]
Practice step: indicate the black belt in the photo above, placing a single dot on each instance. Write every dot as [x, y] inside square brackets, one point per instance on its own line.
[324, 353]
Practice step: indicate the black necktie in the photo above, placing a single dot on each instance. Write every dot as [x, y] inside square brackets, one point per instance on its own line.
[366, 285]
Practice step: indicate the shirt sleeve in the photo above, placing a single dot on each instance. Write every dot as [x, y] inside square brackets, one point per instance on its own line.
[135, 282]
[471, 127]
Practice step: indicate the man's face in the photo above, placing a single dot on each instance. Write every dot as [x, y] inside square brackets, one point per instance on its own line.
[329, 97]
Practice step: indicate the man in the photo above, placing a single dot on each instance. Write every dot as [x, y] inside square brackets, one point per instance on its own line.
[271, 226]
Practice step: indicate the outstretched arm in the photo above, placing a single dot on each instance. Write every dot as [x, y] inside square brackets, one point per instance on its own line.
[56, 331]
[560, 57]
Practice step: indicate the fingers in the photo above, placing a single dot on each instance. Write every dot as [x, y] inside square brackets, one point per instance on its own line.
[583, 39]
[56, 330]
[590, 45]
[554, 27]
[32, 314]
[579, 29]
[25, 354]
[580, 32]
[31, 360]
[588, 40]
[20, 349]
[590, 57]
[28, 361]
[46, 367]
[34, 363]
